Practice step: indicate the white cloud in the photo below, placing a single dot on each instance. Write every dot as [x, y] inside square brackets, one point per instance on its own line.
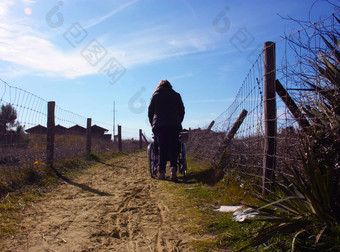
[96, 21]
[189, 40]
[158, 43]
[30, 50]
[183, 76]
[24, 47]
[4, 7]
[25, 50]
[2, 11]
[28, 2]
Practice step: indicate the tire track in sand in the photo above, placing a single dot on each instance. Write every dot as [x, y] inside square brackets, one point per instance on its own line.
[129, 217]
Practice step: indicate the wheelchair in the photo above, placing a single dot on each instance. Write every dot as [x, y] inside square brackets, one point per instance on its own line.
[153, 157]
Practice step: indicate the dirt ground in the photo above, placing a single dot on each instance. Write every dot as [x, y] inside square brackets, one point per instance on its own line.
[110, 207]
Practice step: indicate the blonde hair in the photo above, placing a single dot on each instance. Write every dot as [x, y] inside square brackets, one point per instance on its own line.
[163, 83]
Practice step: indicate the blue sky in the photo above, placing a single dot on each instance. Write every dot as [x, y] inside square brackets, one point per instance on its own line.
[86, 54]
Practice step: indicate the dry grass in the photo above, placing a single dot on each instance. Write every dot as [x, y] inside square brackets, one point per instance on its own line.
[244, 154]
[23, 165]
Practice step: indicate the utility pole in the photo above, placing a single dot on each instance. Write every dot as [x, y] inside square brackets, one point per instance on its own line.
[114, 120]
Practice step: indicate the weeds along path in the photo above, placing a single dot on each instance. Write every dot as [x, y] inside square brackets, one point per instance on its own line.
[112, 207]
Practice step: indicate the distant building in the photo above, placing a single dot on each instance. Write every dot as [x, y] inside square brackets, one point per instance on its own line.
[107, 137]
[37, 130]
[77, 130]
[98, 131]
[60, 130]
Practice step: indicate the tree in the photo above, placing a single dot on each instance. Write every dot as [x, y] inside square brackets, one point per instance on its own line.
[8, 116]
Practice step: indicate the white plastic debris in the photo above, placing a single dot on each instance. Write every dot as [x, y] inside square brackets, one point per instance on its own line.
[243, 214]
[228, 209]
[240, 214]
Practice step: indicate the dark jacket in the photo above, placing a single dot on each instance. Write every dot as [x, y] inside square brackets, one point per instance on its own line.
[166, 109]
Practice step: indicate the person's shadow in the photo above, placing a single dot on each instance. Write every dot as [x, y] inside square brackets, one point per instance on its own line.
[83, 187]
[210, 177]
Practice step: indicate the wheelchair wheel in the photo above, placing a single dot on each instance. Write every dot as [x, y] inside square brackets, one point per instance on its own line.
[183, 160]
[153, 161]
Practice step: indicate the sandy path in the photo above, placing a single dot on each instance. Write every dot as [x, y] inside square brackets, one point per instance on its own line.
[113, 207]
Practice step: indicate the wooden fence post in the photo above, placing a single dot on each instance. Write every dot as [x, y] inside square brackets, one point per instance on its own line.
[231, 135]
[269, 91]
[146, 140]
[210, 125]
[293, 108]
[89, 135]
[120, 148]
[50, 134]
[235, 127]
[140, 139]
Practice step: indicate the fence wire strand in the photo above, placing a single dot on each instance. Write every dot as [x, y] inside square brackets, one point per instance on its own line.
[23, 133]
[296, 57]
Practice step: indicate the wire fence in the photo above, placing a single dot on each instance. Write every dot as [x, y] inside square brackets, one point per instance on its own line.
[246, 149]
[20, 110]
[297, 56]
[24, 130]
[241, 129]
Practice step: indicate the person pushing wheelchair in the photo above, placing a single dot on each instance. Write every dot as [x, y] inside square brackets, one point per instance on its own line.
[166, 113]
